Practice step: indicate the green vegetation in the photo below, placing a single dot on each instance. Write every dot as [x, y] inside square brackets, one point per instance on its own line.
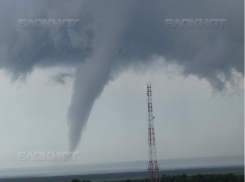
[77, 180]
[193, 178]
[203, 178]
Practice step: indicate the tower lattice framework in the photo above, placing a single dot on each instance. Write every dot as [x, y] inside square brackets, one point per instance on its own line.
[153, 169]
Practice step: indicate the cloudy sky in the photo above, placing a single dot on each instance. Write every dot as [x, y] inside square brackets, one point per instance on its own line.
[84, 89]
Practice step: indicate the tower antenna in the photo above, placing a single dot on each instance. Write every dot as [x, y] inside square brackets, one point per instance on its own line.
[153, 169]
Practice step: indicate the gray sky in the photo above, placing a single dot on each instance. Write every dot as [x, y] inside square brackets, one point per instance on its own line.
[84, 89]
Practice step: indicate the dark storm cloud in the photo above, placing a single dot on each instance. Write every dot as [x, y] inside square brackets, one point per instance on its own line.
[113, 35]
[23, 49]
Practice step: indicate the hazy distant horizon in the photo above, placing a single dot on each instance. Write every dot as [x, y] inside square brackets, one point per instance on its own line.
[118, 167]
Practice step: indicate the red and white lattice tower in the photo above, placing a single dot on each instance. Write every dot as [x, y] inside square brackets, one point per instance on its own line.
[153, 169]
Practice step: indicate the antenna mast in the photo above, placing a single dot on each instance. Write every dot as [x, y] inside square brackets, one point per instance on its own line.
[153, 169]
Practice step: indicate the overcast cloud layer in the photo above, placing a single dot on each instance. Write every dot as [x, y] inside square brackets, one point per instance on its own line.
[114, 35]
